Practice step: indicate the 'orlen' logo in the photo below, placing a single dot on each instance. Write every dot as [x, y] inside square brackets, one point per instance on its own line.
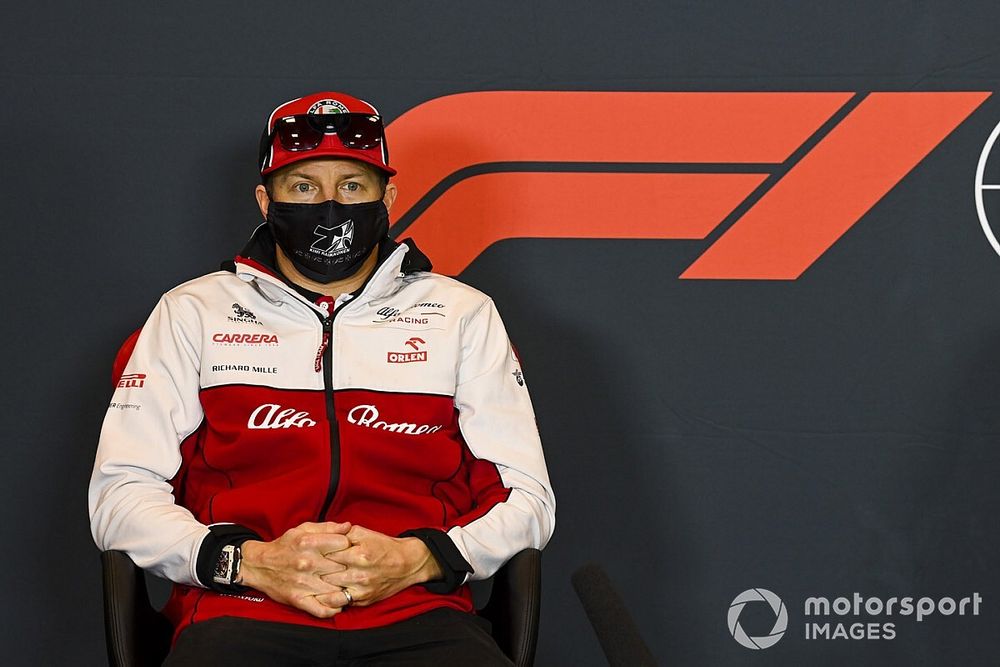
[768, 181]
[272, 415]
[136, 380]
[368, 416]
[408, 357]
[780, 618]
[244, 339]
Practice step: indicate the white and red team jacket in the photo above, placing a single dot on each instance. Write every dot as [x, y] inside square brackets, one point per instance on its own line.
[244, 402]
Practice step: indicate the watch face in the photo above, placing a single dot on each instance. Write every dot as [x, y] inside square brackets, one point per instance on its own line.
[224, 566]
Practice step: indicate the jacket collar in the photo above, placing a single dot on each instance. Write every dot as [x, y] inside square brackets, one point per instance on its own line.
[256, 263]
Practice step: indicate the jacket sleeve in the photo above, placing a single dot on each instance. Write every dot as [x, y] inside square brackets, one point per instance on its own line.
[153, 409]
[515, 504]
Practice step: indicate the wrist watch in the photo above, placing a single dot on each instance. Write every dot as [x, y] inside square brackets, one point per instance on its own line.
[227, 567]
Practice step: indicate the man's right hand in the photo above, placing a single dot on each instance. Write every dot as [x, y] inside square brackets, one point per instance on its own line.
[290, 569]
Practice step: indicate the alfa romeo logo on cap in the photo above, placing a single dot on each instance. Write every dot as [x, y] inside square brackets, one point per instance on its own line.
[780, 618]
[327, 106]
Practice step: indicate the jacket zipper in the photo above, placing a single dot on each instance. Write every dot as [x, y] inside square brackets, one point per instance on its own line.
[331, 411]
[326, 353]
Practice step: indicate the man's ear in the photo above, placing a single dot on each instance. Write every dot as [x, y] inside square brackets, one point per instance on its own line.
[262, 199]
[390, 195]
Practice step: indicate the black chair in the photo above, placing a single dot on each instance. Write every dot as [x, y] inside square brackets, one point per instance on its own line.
[138, 636]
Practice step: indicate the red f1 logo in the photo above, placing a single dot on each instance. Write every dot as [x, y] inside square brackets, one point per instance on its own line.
[792, 171]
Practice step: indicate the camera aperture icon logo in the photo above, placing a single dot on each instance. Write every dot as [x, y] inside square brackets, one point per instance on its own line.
[780, 618]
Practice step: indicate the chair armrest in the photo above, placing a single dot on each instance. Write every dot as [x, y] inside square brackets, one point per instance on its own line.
[136, 634]
[514, 605]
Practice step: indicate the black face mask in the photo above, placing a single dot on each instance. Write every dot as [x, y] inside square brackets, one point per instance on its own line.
[328, 241]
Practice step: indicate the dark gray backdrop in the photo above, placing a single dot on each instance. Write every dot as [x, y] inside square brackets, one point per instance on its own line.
[816, 437]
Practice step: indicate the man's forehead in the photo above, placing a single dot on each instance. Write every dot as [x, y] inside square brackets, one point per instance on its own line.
[327, 167]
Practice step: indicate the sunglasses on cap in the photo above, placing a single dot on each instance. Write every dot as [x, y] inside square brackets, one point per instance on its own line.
[305, 132]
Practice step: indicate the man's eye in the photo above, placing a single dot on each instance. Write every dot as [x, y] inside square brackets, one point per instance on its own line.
[352, 186]
[302, 187]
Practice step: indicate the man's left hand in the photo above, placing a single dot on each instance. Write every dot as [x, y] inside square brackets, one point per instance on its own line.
[379, 566]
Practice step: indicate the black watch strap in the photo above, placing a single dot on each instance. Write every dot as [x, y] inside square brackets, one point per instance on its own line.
[219, 559]
[454, 567]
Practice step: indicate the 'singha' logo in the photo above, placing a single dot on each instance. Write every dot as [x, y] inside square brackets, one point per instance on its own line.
[241, 314]
[780, 618]
[333, 241]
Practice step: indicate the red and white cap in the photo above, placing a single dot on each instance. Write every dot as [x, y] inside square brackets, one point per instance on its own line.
[275, 156]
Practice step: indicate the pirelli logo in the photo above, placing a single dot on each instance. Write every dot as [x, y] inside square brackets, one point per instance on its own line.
[768, 181]
[136, 380]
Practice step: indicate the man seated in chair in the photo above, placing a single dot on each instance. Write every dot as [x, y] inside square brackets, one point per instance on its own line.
[321, 445]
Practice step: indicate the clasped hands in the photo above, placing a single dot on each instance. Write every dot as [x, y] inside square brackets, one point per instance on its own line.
[311, 565]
